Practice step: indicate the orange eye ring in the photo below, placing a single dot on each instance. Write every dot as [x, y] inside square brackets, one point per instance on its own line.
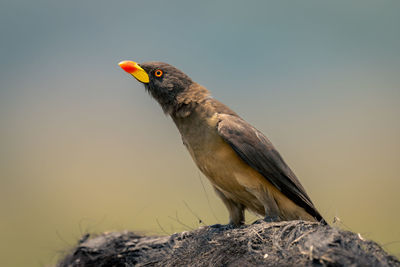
[158, 73]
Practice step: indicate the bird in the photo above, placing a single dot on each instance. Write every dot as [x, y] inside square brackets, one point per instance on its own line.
[244, 168]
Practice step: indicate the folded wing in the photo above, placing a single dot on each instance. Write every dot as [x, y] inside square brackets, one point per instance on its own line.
[257, 151]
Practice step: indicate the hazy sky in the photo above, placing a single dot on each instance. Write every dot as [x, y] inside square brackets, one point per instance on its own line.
[84, 148]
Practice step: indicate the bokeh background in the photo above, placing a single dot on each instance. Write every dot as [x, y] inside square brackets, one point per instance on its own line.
[83, 148]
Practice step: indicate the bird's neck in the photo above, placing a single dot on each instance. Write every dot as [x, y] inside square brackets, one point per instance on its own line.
[189, 101]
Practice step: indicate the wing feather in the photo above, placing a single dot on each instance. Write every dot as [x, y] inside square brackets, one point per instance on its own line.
[256, 150]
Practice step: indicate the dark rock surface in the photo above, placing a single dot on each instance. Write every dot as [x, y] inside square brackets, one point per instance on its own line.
[293, 243]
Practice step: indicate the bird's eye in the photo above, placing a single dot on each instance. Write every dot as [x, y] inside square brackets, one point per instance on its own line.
[158, 73]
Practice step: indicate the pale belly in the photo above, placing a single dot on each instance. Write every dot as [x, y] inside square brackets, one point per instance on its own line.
[227, 172]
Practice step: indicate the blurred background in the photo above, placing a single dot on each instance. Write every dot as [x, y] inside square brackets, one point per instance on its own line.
[83, 148]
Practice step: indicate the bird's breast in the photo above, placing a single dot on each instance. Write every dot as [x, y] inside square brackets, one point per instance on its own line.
[218, 161]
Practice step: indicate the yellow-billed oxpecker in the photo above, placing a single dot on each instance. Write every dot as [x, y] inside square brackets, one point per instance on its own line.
[245, 169]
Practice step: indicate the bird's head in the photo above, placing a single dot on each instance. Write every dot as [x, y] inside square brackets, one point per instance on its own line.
[163, 81]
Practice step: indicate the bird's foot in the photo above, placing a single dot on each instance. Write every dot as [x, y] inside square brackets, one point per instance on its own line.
[216, 226]
[272, 218]
[267, 219]
[224, 226]
[234, 225]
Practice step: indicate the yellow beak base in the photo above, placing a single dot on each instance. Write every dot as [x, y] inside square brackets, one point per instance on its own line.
[135, 70]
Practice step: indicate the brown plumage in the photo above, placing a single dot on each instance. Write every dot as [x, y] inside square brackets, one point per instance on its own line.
[240, 162]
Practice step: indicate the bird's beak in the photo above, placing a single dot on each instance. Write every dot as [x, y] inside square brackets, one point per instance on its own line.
[134, 69]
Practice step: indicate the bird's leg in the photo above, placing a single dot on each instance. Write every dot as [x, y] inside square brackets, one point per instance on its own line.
[236, 210]
[271, 211]
[271, 208]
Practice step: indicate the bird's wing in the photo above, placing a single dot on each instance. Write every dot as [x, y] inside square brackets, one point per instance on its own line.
[257, 151]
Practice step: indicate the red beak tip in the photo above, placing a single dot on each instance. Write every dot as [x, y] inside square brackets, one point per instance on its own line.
[128, 66]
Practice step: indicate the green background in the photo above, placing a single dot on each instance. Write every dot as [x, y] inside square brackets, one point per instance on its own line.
[84, 148]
